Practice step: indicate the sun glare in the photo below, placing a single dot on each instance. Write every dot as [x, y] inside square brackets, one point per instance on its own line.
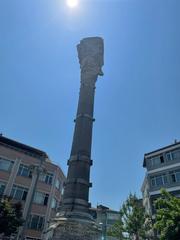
[72, 3]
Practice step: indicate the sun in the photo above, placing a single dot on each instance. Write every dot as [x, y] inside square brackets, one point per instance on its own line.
[72, 3]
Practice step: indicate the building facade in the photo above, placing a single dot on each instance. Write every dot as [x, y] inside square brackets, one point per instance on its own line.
[27, 175]
[162, 171]
[105, 218]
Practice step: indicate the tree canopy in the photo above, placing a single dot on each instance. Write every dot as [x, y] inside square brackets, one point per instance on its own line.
[10, 216]
[134, 222]
[167, 221]
[117, 230]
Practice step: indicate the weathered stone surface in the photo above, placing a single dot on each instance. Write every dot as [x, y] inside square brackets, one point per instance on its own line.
[91, 55]
[76, 230]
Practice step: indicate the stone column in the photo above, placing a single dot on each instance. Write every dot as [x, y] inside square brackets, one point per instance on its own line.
[76, 194]
[73, 221]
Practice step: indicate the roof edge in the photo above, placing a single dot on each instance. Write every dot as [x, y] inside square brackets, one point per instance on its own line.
[23, 147]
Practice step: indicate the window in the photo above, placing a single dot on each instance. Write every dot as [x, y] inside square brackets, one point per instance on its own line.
[169, 156]
[24, 171]
[2, 188]
[175, 176]
[36, 222]
[19, 193]
[173, 155]
[41, 198]
[162, 159]
[54, 203]
[176, 155]
[46, 177]
[155, 161]
[5, 165]
[159, 180]
[58, 184]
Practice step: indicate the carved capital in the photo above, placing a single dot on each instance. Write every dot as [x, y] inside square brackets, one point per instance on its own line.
[91, 55]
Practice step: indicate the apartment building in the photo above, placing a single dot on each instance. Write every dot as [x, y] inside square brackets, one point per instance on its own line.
[162, 171]
[105, 218]
[28, 175]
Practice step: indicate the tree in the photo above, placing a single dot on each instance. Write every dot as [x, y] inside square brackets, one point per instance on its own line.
[167, 221]
[117, 230]
[134, 223]
[10, 216]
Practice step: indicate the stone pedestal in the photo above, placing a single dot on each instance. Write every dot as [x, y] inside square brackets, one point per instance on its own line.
[76, 229]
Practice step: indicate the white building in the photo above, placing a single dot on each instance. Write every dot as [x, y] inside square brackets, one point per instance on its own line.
[162, 171]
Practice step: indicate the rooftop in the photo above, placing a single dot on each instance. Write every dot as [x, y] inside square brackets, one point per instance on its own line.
[160, 150]
[22, 147]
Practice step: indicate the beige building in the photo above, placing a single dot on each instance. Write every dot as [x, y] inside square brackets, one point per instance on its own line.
[27, 175]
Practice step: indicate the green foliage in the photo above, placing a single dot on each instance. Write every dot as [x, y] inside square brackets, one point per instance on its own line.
[134, 222]
[117, 230]
[167, 216]
[10, 216]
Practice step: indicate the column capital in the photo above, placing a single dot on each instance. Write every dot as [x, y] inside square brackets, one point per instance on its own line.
[91, 56]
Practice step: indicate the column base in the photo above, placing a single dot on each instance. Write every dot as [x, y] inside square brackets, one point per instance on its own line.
[73, 229]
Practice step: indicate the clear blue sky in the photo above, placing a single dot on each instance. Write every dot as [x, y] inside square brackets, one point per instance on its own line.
[137, 101]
